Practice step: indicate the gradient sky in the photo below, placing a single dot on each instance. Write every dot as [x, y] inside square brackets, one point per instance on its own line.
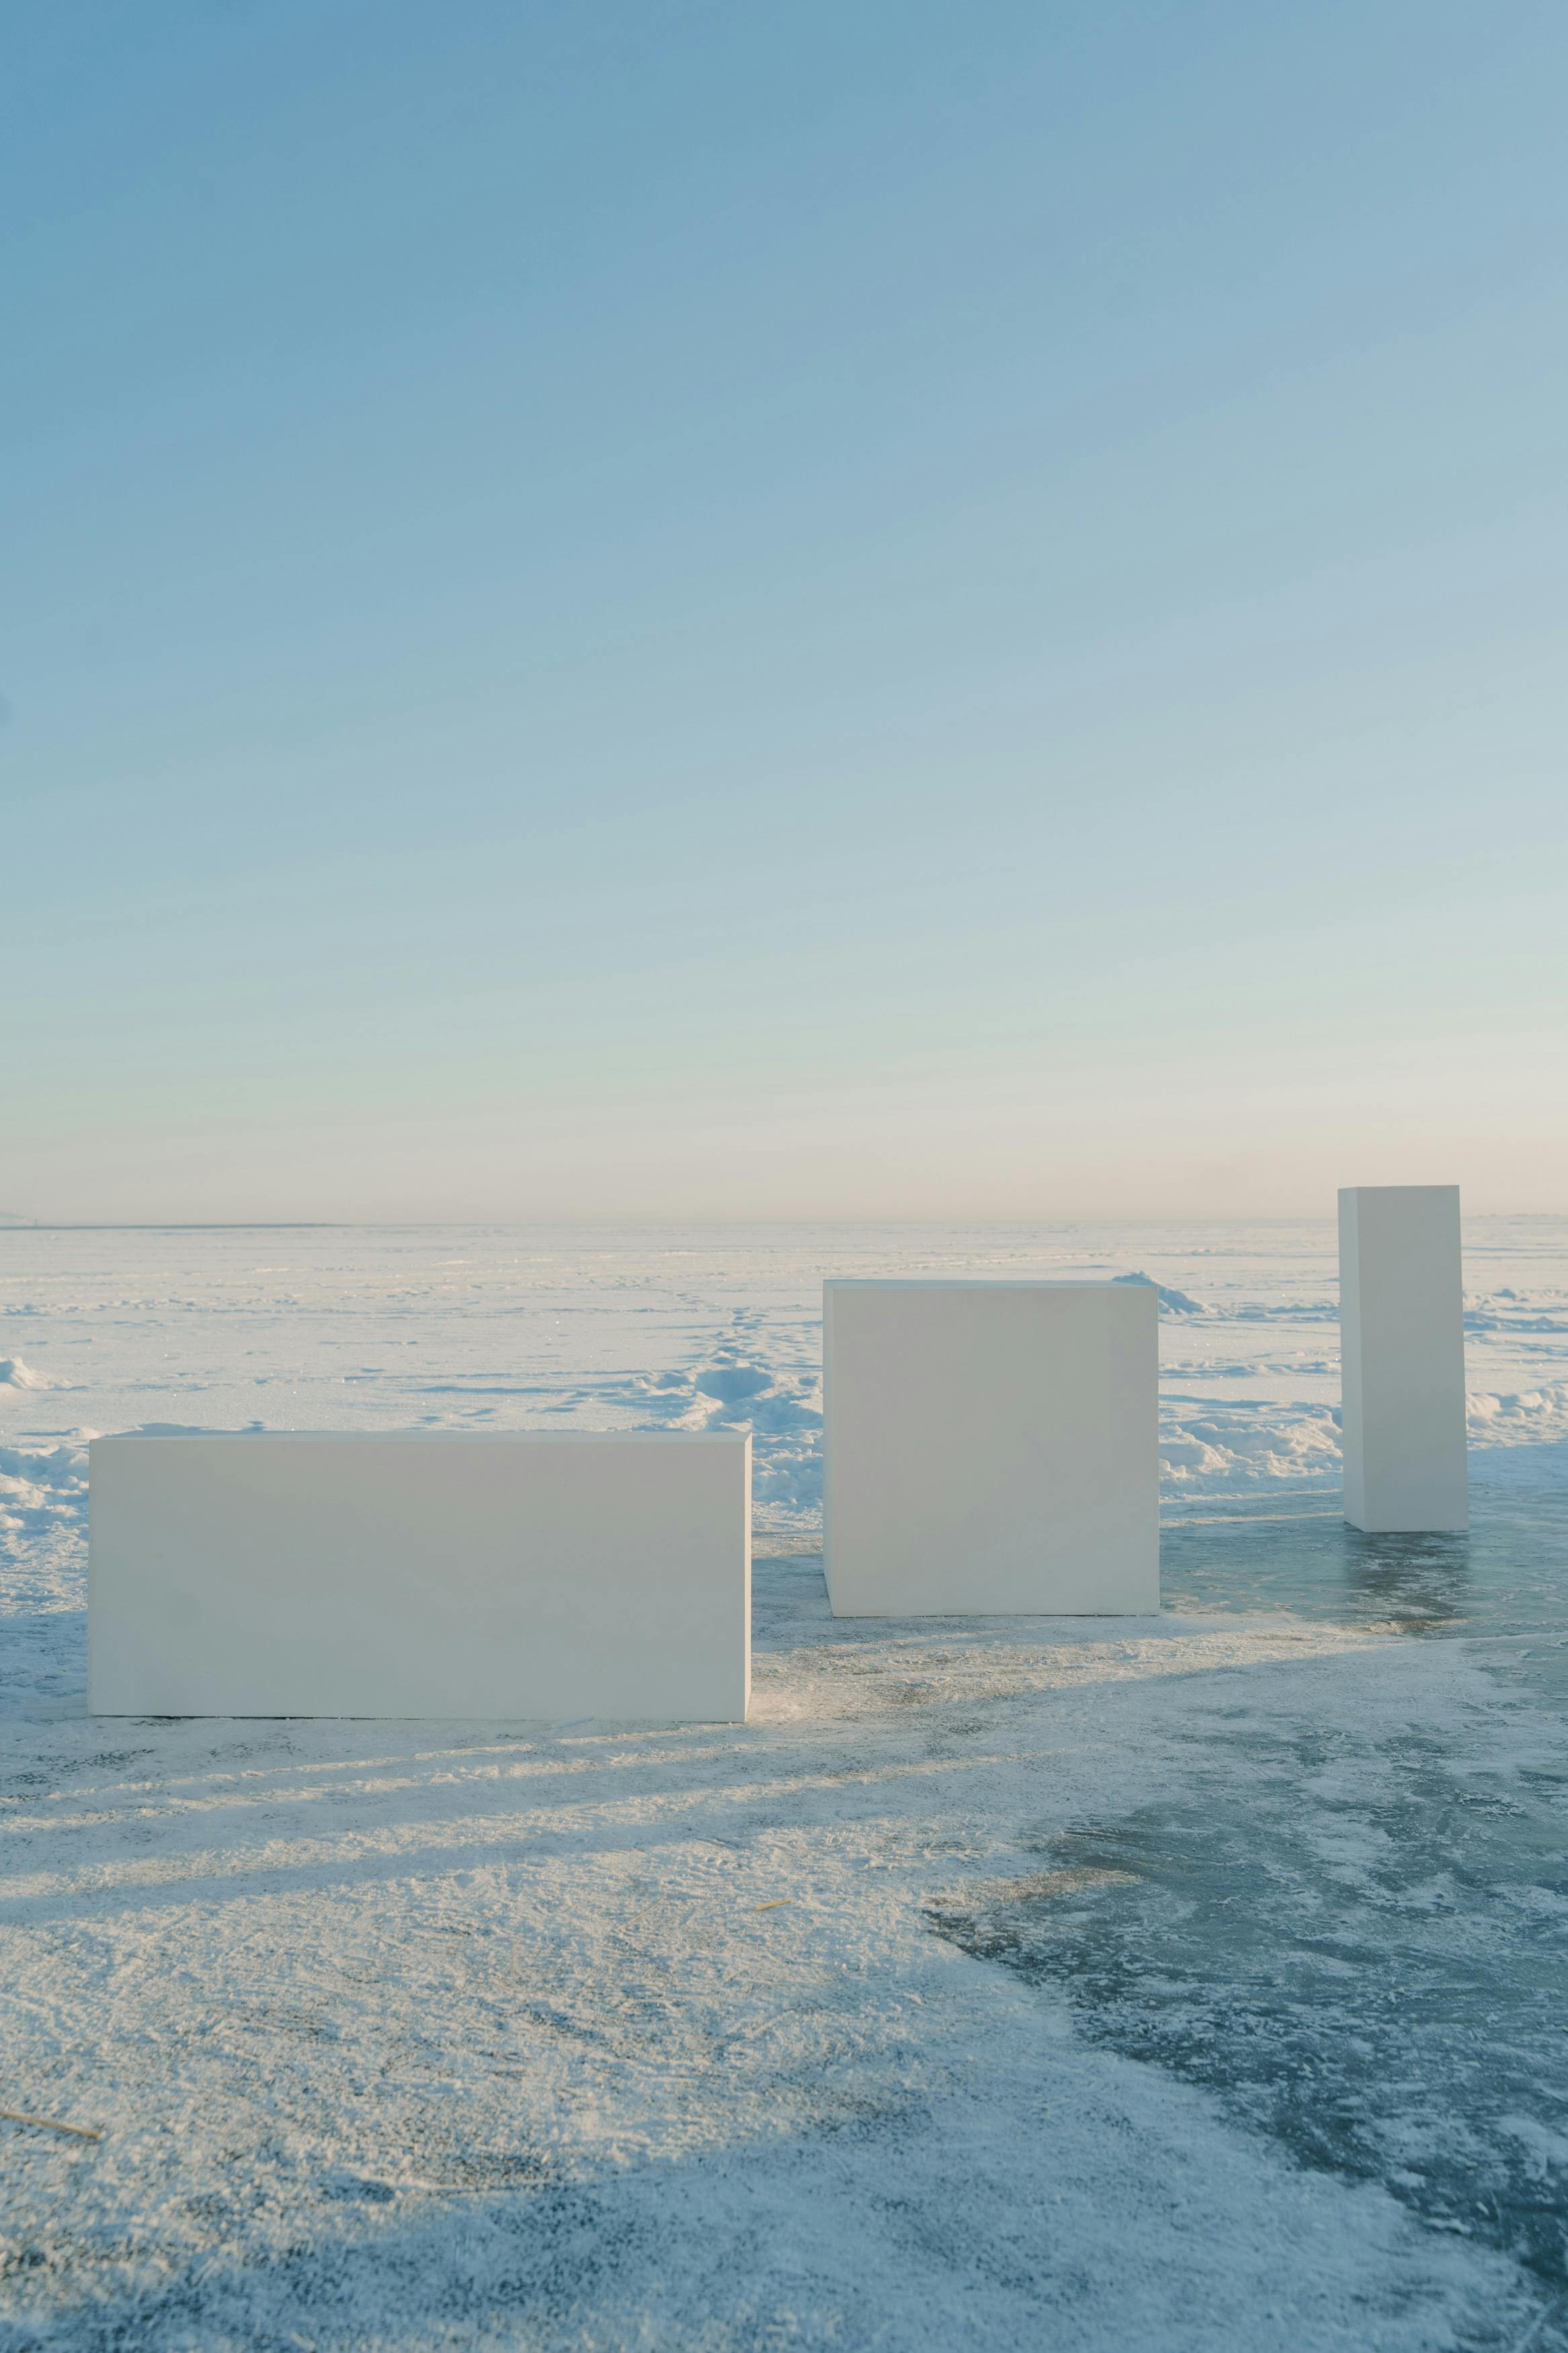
[848, 608]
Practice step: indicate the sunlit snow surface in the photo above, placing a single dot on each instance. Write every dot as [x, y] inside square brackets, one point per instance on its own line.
[1196, 1982]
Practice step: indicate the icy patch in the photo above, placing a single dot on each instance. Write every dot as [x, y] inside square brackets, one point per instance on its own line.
[1334, 1959]
[429, 2034]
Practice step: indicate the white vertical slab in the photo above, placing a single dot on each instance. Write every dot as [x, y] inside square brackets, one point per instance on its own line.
[991, 1447]
[1402, 1341]
[536, 1574]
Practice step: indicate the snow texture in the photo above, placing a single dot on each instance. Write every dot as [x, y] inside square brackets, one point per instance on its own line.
[1194, 1982]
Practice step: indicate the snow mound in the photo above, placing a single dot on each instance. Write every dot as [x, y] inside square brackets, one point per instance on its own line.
[1248, 1447]
[1523, 1418]
[1172, 1302]
[42, 1488]
[781, 1408]
[15, 1375]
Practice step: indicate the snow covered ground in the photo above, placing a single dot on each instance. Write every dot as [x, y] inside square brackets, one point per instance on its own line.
[1194, 1982]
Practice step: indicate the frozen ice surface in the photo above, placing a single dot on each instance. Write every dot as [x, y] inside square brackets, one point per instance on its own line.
[1190, 1982]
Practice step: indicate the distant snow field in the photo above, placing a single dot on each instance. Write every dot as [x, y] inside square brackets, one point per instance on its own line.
[1010, 1983]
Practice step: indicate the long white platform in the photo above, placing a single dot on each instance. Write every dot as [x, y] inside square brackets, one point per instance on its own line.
[430, 1574]
[991, 1447]
[1402, 1344]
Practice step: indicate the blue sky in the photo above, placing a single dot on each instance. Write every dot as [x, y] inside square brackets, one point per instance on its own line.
[731, 610]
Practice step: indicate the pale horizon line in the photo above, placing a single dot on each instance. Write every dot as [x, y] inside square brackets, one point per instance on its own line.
[640, 1223]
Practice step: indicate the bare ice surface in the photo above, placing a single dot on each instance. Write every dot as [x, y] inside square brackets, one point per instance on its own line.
[1189, 1982]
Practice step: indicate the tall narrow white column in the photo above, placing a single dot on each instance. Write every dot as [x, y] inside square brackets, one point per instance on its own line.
[1402, 1341]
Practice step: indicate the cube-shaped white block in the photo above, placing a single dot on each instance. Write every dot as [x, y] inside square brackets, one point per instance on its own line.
[991, 1447]
[510, 1574]
[1402, 1345]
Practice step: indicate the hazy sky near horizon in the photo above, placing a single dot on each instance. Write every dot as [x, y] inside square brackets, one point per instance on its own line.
[849, 610]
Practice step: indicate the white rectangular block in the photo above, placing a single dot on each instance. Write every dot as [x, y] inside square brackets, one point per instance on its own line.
[1402, 1345]
[432, 1573]
[991, 1447]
